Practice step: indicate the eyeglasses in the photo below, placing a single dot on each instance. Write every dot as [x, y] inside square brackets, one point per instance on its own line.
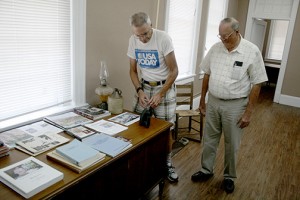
[222, 37]
[142, 35]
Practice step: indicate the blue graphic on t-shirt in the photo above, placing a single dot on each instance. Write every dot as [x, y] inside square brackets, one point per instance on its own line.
[147, 58]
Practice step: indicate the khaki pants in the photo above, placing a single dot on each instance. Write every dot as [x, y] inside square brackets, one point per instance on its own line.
[222, 115]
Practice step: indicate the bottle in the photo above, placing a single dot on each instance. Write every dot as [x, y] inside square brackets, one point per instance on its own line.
[115, 102]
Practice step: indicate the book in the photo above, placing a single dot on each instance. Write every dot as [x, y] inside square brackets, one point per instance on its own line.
[91, 112]
[107, 127]
[62, 160]
[79, 153]
[29, 176]
[80, 132]
[107, 144]
[12, 136]
[39, 144]
[67, 120]
[125, 118]
[4, 150]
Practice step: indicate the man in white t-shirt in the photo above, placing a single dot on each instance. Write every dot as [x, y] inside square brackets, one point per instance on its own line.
[152, 52]
[234, 70]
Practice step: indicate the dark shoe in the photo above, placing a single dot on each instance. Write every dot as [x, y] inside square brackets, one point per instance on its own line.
[200, 176]
[228, 185]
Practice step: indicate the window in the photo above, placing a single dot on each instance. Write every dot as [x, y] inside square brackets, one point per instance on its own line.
[182, 24]
[217, 11]
[276, 39]
[38, 64]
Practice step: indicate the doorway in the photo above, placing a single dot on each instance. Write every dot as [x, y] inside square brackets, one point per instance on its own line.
[274, 10]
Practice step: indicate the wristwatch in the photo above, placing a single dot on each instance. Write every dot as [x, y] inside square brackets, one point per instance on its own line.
[138, 89]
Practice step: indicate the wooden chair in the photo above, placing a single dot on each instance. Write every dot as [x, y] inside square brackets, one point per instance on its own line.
[185, 97]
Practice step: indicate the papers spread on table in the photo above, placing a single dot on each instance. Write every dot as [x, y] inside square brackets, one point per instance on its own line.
[91, 112]
[67, 120]
[79, 153]
[125, 118]
[104, 126]
[80, 132]
[39, 144]
[107, 144]
[29, 176]
[12, 136]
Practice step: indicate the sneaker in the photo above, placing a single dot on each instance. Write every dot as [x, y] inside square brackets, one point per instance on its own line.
[172, 175]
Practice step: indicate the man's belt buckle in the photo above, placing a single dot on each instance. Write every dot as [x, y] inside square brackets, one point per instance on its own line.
[153, 83]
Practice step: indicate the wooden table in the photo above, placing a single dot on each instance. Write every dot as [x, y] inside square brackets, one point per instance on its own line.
[129, 175]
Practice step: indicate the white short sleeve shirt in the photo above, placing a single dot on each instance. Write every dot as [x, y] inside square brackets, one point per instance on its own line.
[233, 73]
[150, 56]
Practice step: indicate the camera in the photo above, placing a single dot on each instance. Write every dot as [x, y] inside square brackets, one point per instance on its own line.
[145, 117]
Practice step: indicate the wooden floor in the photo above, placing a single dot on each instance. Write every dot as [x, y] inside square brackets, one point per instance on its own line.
[268, 161]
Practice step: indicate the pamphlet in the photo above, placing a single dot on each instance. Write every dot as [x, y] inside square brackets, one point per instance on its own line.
[104, 126]
[125, 118]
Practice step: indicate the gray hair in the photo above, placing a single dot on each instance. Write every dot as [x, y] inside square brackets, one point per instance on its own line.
[234, 23]
[139, 19]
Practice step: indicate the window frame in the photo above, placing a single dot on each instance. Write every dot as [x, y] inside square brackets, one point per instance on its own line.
[78, 75]
[189, 77]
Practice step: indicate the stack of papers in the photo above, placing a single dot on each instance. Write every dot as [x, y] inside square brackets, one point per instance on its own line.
[107, 144]
[67, 120]
[39, 144]
[11, 137]
[91, 112]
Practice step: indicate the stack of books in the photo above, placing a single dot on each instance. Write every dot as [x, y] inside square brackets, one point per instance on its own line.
[91, 112]
[4, 149]
[107, 144]
[29, 176]
[76, 155]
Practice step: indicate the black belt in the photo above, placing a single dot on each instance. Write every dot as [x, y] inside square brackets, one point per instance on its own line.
[232, 99]
[154, 83]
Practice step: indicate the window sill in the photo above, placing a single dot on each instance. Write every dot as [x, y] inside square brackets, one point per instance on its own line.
[33, 117]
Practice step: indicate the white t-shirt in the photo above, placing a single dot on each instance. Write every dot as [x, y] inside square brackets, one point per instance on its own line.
[150, 56]
[232, 73]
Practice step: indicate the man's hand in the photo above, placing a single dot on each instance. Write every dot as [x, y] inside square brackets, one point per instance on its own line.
[202, 107]
[244, 121]
[155, 100]
[143, 99]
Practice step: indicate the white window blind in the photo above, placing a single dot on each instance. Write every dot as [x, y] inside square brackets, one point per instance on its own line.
[35, 55]
[181, 26]
[217, 11]
[277, 35]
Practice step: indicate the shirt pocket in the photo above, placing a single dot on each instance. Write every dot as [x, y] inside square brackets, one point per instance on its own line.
[236, 73]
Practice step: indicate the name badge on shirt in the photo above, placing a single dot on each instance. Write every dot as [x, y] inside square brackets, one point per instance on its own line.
[147, 58]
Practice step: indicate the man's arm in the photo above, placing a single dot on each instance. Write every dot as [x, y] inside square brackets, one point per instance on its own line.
[172, 65]
[143, 99]
[202, 106]
[253, 97]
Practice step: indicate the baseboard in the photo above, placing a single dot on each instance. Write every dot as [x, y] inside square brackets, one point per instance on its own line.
[289, 100]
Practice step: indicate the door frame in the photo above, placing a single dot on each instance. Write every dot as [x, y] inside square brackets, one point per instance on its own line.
[252, 14]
